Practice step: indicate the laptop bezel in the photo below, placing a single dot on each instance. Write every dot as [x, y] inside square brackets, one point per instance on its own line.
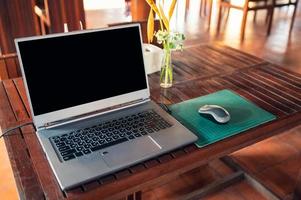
[68, 113]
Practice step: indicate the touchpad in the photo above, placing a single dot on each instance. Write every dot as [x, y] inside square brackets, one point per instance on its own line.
[129, 152]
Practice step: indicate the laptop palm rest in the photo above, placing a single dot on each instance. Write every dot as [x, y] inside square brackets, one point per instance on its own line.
[129, 153]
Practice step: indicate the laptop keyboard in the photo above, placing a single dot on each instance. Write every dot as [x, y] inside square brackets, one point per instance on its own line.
[88, 140]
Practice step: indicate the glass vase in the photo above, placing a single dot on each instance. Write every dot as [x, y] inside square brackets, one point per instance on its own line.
[166, 76]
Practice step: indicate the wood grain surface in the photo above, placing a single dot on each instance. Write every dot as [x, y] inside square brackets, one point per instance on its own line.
[198, 71]
[9, 66]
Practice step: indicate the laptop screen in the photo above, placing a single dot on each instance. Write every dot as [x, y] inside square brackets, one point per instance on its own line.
[69, 70]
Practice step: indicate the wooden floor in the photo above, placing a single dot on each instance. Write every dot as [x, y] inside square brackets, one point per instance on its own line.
[273, 162]
[201, 177]
[8, 188]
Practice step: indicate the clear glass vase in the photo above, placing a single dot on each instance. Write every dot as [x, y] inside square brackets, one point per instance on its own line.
[166, 74]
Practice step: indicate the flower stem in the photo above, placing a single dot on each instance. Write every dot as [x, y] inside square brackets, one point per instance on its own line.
[166, 70]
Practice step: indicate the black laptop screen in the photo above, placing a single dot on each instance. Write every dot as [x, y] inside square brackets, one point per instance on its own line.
[71, 70]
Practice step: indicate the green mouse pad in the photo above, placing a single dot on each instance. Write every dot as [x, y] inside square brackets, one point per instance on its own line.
[244, 115]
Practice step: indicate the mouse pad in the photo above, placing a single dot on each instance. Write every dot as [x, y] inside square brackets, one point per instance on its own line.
[244, 115]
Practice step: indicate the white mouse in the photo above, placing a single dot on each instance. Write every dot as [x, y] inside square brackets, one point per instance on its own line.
[220, 114]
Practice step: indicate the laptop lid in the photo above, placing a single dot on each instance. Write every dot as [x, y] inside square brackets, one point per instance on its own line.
[72, 74]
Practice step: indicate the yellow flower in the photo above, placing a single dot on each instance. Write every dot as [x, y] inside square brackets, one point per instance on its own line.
[164, 19]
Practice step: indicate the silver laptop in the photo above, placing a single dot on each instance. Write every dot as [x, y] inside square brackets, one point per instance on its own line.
[90, 103]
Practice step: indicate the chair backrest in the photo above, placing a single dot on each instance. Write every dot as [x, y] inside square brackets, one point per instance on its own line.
[143, 25]
[286, 2]
[9, 66]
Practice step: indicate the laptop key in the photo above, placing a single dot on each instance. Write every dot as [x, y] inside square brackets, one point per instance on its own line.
[60, 144]
[94, 144]
[70, 137]
[57, 140]
[88, 141]
[143, 133]
[131, 137]
[68, 157]
[115, 137]
[156, 129]
[64, 148]
[79, 148]
[86, 151]
[137, 135]
[68, 142]
[76, 140]
[109, 144]
[102, 136]
[70, 151]
[150, 130]
[161, 126]
[98, 133]
[104, 131]
[78, 154]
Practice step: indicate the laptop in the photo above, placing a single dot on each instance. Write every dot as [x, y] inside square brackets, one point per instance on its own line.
[90, 102]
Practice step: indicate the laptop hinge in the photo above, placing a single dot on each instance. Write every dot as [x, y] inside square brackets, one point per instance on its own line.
[93, 114]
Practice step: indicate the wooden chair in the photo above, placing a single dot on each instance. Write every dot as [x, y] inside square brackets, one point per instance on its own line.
[205, 4]
[282, 3]
[9, 66]
[254, 5]
[42, 12]
[205, 9]
[143, 25]
[248, 5]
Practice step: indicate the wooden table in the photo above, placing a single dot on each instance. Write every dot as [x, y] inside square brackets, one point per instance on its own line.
[198, 70]
[297, 191]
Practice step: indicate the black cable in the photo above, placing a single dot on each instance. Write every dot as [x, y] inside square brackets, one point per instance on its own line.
[13, 128]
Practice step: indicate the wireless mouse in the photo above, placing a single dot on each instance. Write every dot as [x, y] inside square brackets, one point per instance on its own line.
[220, 114]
